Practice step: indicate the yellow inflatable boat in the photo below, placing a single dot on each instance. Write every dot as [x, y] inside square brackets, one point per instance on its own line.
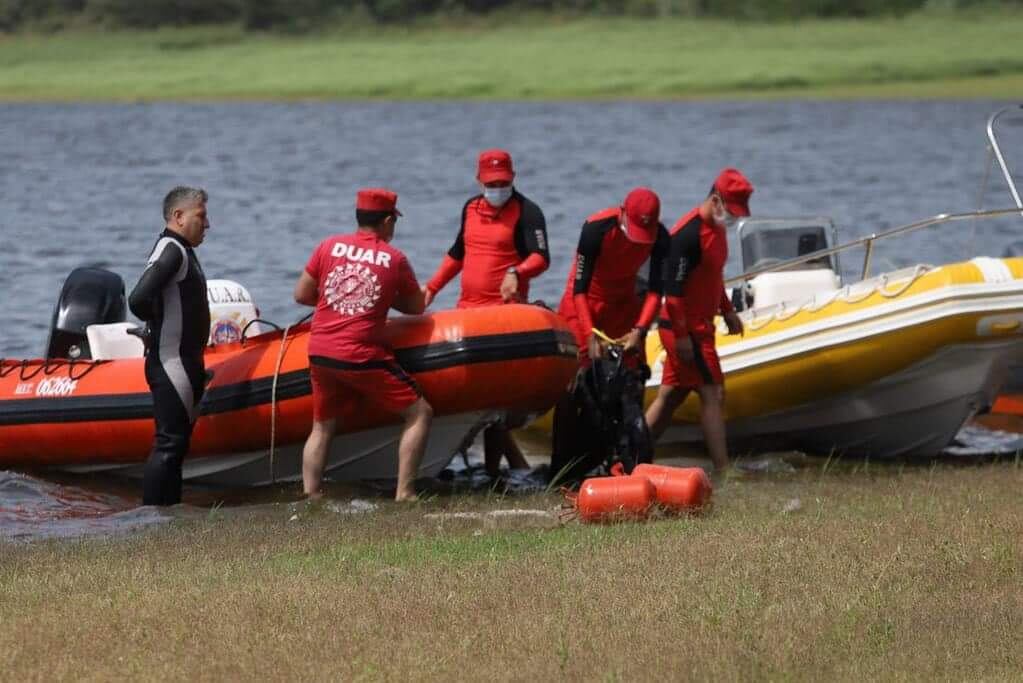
[892, 365]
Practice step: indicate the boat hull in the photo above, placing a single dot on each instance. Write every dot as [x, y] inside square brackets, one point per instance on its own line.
[370, 454]
[914, 412]
[888, 368]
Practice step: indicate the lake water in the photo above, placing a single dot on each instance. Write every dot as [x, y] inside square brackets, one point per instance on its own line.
[82, 184]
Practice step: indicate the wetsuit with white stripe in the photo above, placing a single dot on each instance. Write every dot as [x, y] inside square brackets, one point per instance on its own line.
[171, 297]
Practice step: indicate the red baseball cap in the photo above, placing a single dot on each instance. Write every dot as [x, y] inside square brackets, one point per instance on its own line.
[376, 199]
[735, 190]
[494, 164]
[642, 215]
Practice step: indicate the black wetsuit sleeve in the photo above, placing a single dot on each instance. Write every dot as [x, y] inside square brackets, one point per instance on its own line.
[586, 253]
[683, 256]
[156, 276]
[531, 231]
[658, 261]
[457, 250]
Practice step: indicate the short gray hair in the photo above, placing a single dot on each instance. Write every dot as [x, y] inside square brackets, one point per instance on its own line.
[181, 196]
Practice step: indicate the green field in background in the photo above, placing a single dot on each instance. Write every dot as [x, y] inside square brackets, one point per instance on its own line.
[929, 55]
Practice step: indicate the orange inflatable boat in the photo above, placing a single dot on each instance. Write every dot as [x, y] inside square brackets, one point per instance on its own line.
[90, 415]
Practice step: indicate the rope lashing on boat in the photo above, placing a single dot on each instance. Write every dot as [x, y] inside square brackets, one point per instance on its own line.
[273, 404]
[879, 286]
[883, 288]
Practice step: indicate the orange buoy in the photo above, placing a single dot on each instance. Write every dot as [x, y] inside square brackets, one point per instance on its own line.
[605, 499]
[679, 489]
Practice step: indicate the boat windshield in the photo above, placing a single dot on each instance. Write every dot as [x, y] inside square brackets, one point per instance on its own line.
[768, 241]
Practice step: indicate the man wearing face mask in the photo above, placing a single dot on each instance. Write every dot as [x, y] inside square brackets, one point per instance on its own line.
[694, 295]
[501, 246]
[601, 294]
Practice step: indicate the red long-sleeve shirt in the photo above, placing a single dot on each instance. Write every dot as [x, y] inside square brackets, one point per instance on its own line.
[694, 276]
[490, 241]
[601, 286]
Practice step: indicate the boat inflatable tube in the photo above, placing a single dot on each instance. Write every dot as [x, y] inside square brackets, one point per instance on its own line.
[61, 412]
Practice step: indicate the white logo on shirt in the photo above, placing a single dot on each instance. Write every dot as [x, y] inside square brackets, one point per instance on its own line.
[352, 289]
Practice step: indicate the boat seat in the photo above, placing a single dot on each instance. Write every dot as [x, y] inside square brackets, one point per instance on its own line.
[791, 285]
[110, 341]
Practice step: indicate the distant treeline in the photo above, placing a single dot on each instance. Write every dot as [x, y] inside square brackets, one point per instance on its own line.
[302, 15]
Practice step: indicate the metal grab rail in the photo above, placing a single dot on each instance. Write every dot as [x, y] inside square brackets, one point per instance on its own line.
[996, 150]
[869, 240]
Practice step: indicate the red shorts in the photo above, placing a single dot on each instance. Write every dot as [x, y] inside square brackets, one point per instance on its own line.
[705, 368]
[381, 382]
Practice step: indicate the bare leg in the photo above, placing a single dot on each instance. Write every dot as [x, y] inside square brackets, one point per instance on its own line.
[658, 415]
[412, 446]
[498, 441]
[314, 456]
[712, 398]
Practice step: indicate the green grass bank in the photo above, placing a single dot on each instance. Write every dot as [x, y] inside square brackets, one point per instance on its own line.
[925, 55]
[876, 573]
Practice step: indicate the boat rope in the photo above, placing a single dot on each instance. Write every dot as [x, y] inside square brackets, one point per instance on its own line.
[273, 404]
[783, 312]
[883, 289]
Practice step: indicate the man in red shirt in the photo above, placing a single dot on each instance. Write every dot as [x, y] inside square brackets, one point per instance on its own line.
[501, 246]
[601, 293]
[694, 295]
[353, 280]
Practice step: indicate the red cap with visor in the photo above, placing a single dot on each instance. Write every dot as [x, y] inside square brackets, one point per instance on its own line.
[376, 199]
[495, 164]
[735, 190]
[642, 210]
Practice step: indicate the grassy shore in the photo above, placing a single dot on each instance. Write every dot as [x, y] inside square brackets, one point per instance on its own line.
[876, 573]
[924, 55]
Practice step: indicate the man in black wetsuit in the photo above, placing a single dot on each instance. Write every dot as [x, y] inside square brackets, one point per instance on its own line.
[171, 297]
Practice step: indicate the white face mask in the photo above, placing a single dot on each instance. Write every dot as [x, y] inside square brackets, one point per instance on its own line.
[724, 218]
[497, 196]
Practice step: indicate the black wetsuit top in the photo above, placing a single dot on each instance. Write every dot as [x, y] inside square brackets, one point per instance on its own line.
[171, 297]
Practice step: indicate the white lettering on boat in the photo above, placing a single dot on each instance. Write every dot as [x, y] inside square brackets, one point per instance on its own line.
[23, 388]
[57, 386]
[361, 254]
[227, 295]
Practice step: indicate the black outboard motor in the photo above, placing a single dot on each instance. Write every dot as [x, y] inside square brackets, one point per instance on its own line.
[612, 428]
[90, 296]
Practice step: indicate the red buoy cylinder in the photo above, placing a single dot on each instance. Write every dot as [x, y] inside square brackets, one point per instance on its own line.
[605, 499]
[679, 489]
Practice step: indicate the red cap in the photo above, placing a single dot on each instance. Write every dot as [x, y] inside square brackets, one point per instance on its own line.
[495, 164]
[642, 215]
[376, 199]
[735, 190]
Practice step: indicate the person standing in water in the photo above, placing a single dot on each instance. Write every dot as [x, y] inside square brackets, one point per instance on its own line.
[694, 295]
[501, 246]
[171, 297]
[353, 280]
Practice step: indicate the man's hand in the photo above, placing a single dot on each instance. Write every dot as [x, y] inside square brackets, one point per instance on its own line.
[684, 349]
[633, 341]
[734, 323]
[510, 287]
[594, 347]
[428, 295]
